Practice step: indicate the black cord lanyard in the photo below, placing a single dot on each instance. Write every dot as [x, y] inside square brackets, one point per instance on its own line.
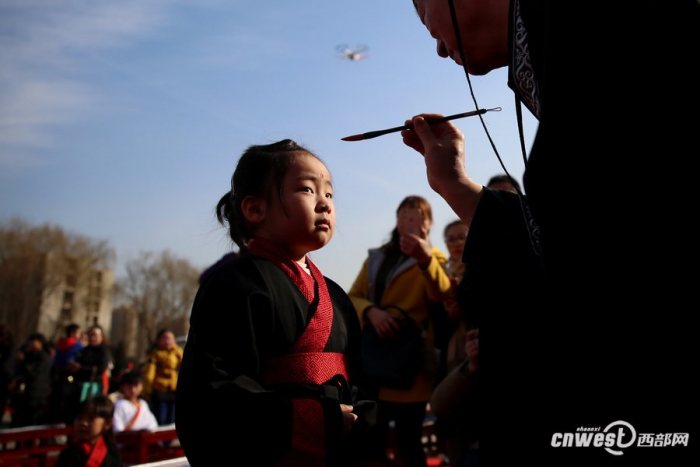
[533, 229]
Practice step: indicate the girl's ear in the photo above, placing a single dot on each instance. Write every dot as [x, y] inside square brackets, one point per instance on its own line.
[253, 209]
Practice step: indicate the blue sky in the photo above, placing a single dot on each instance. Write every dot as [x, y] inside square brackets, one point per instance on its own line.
[124, 120]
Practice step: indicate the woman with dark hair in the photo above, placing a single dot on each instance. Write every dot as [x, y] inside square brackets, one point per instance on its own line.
[91, 370]
[402, 280]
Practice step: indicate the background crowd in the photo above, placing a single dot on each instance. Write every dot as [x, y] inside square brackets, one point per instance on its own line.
[43, 382]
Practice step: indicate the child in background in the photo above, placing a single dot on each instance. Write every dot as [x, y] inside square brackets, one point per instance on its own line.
[273, 345]
[68, 347]
[161, 376]
[131, 413]
[92, 444]
[62, 388]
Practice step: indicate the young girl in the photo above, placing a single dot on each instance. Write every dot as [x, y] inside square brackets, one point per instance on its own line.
[273, 345]
[92, 444]
[131, 413]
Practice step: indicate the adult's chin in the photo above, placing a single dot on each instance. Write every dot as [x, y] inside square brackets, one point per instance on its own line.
[477, 68]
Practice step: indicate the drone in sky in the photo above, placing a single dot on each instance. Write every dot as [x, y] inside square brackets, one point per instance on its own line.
[352, 54]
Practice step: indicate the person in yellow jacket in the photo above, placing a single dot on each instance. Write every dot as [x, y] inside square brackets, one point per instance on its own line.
[160, 376]
[403, 279]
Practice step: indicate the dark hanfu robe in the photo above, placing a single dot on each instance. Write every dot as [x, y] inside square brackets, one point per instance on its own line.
[608, 335]
[247, 315]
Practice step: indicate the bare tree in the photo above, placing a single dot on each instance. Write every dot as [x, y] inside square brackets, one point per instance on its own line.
[160, 288]
[35, 261]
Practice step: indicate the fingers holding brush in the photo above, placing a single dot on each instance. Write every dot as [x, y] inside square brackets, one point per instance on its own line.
[427, 132]
[411, 139]
[443, 147]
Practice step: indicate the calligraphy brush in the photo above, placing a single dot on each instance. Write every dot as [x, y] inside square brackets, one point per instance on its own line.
[374, 134]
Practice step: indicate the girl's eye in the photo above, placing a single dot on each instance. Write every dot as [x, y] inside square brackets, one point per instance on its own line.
[307, 189]
[329, 195]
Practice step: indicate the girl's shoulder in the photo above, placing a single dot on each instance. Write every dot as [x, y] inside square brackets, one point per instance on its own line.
[70, 455]
[241, 277]
[228, 270]
[333, 287]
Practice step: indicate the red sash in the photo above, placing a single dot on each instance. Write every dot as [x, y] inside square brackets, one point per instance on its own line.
[135, 417]
[306, 361]
[96, 452]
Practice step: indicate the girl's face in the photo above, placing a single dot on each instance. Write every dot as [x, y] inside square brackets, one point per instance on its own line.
[454, 240]
[167, 341]
[410, 221]
[132, 391]
[483, 27]
[88, 429]
[302, 219]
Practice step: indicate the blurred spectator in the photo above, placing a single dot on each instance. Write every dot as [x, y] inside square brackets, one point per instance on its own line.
[504, 182]
[161, 376]
[91, 369]
[131, 413]
[32, 383]
[7, 363]
[402, 280]
[67, 349]
[92, 444]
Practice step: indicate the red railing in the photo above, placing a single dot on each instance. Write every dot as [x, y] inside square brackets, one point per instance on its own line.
[34, 446]
[139, 447]
[39, 446]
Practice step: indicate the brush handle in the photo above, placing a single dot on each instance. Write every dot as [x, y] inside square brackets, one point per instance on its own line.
[374, 134]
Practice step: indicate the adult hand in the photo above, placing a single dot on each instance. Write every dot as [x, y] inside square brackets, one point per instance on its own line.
[417, 246]
[382, 322]
[442, 145]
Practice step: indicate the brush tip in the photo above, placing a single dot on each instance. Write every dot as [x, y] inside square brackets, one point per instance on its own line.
[353, 138]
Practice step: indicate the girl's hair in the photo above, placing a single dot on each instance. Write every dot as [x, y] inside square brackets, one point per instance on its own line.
[413, 202]
[131, 378]
[98, 406]
[259, 171]
[71, 329]
[452, 224]
[162, 332]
